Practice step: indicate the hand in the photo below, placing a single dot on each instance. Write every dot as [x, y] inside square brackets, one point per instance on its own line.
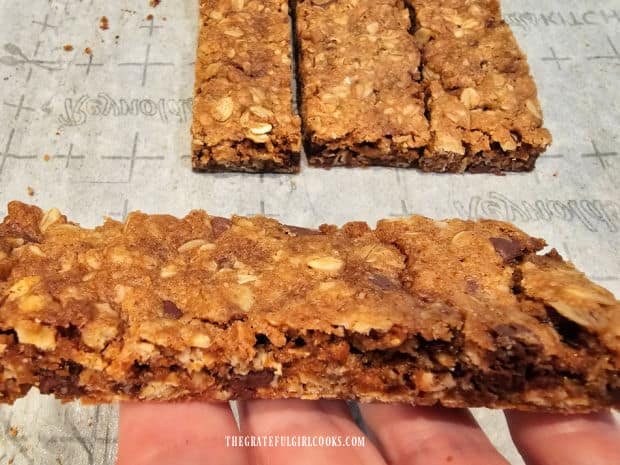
[194, 433]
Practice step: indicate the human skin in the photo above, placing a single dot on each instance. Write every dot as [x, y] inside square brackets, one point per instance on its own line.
[194, 433]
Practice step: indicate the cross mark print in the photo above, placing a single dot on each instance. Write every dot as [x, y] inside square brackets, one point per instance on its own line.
[146, 64]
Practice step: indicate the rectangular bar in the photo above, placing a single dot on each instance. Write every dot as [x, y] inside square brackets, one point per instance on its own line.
[483, 105]
[457, 313]
[243, 115]
[361, 100]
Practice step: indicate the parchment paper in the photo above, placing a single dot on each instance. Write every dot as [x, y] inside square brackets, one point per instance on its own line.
[115, 127]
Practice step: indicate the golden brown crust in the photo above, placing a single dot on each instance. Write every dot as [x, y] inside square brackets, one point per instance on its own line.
[482, 101]
[243, 116]
[362, 102]
[454, 312]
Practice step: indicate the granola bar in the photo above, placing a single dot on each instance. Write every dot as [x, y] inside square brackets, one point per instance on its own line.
[452, 312]
[361, 100]
[482, 101]
[243, 116]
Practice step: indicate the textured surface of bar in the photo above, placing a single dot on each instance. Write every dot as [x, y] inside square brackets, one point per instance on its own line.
[453, 312]
[482, 101]
[243, 116]
[361, 100]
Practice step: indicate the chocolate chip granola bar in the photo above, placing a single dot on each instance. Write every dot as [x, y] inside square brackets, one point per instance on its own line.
[243, 117]
[361, 99]
[481, 100]
[453, 312]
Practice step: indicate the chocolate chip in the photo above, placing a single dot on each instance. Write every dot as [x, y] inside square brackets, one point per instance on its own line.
[70, 332]
[303, 231]
[383, 282]
[244, 387]
[261, 339]
[63, 386]
[171, 311]
[508, 249]
[220, 225]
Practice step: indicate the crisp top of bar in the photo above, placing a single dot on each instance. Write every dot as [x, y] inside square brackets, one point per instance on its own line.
[360, 72]
[481, 92]
[243, 75]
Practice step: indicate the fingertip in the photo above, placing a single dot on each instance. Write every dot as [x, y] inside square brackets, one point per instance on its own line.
[545, 438]
[428, 435]
[189, 433]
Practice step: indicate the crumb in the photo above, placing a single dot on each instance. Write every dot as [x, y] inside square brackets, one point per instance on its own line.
[58, 461]
[46, 157]
[164, 18]
[154, 3]
[149, 18]
[30, 191]
[10, 461]
[58, 132]
[13, 431]
[88, 51]
[6, 78]
[104, 23]
[68, 47]
[555, 174]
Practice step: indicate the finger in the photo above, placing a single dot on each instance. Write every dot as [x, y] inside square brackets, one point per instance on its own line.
[545, 439]
[428, 435]
[295, 418]
[190, 433]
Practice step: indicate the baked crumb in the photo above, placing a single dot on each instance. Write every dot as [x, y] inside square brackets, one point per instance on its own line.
[154, 3]
[104, 24]
[149, 17]
[88, 51]
[68, 48]
[13, 431]
[46, 157]
[30, 191]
